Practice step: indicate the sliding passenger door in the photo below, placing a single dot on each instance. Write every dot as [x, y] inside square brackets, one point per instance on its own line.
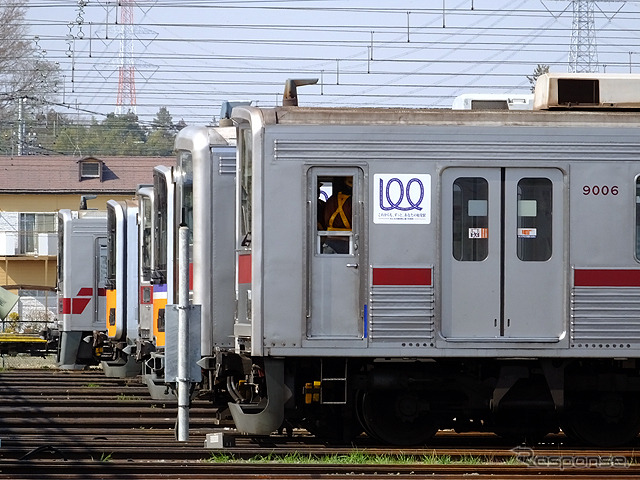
[503, 254]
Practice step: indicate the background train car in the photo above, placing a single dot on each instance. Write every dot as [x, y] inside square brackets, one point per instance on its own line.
[162, 275]
[81, 275]
[479, 270]
[118, 352]
[145, 344]
[493, 101]
[205, 196]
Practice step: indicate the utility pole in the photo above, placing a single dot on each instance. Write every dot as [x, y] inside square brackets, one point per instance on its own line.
[21, 127]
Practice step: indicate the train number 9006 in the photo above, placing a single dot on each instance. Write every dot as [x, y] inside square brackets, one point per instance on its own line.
[600, 190]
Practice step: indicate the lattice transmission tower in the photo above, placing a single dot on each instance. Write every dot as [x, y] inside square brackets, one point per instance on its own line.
[583, 53]
[126, 100]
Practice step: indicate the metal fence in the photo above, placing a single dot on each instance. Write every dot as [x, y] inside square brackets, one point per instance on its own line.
[31, 318]
[27, 361]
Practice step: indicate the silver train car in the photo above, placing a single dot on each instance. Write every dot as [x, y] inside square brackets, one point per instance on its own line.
[117, 345]
[204, 201]
[493, 101]
[162, 276]
[145, 338]
[81, 276]
[472, 270]
[198, 192]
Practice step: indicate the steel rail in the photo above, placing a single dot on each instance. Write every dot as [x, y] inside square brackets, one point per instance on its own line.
[55, 427]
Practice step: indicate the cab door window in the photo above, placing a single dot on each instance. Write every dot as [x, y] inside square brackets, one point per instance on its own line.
[334, 214]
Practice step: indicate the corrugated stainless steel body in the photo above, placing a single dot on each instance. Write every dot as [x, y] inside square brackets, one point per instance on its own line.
[124, 325]
[211, 151]
[122, 309]
[500, 306]
[401, 271]
[145, 262]
[82, 244]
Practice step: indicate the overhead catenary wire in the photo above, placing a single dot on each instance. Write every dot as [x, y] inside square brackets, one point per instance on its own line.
[198, 53]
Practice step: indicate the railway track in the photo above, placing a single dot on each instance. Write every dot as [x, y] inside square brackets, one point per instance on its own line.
[62, 425]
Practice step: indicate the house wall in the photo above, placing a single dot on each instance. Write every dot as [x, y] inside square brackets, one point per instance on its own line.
[47, 202]
[31, 270]
[27, 270]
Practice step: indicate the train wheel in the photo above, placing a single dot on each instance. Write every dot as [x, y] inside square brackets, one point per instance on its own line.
[606, 419]
[361, 417]
[397, 418]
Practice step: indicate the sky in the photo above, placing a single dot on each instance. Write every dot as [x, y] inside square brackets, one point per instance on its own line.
[191, 55]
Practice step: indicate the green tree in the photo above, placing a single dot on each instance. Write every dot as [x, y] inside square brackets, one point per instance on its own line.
[162, 136]
[71, 140]
[163, 121]
[115, 135]
[49, 132]
[43, 130]
[123, 135]
[539, 70]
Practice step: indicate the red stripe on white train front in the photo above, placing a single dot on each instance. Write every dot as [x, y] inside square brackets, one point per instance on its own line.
[77, 305]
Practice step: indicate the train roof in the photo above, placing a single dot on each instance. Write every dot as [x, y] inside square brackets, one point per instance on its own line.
[407, 117]
[593, 98]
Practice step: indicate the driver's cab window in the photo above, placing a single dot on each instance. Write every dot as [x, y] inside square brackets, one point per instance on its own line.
[335, 216]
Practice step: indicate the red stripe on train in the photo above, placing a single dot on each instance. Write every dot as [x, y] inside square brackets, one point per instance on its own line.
[65, 306]
[79, 304]
[402, 276]
[606, 278]
[244, 269]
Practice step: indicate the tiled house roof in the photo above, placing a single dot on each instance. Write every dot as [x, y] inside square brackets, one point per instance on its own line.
[62, 174]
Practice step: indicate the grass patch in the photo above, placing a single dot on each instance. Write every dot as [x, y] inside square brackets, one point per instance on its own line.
[104, 457]
[354, 458]
[220, 457]
[127, 398]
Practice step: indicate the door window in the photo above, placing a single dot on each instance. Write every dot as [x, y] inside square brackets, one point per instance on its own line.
[534, 219]
[638, 218]
[334, 214]
[470, 219]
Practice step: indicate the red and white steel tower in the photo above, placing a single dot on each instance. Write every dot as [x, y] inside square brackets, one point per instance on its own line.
[126, 101]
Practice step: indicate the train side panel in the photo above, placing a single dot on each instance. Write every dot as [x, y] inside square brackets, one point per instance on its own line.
[118, 346]
[605, 271]
[463, 245]
[81, 284]
[468, 270]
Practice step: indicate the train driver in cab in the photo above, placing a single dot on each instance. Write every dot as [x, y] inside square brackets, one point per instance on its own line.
[337, 215]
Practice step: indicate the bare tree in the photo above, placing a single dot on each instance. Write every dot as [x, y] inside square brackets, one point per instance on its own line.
[24, 72]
